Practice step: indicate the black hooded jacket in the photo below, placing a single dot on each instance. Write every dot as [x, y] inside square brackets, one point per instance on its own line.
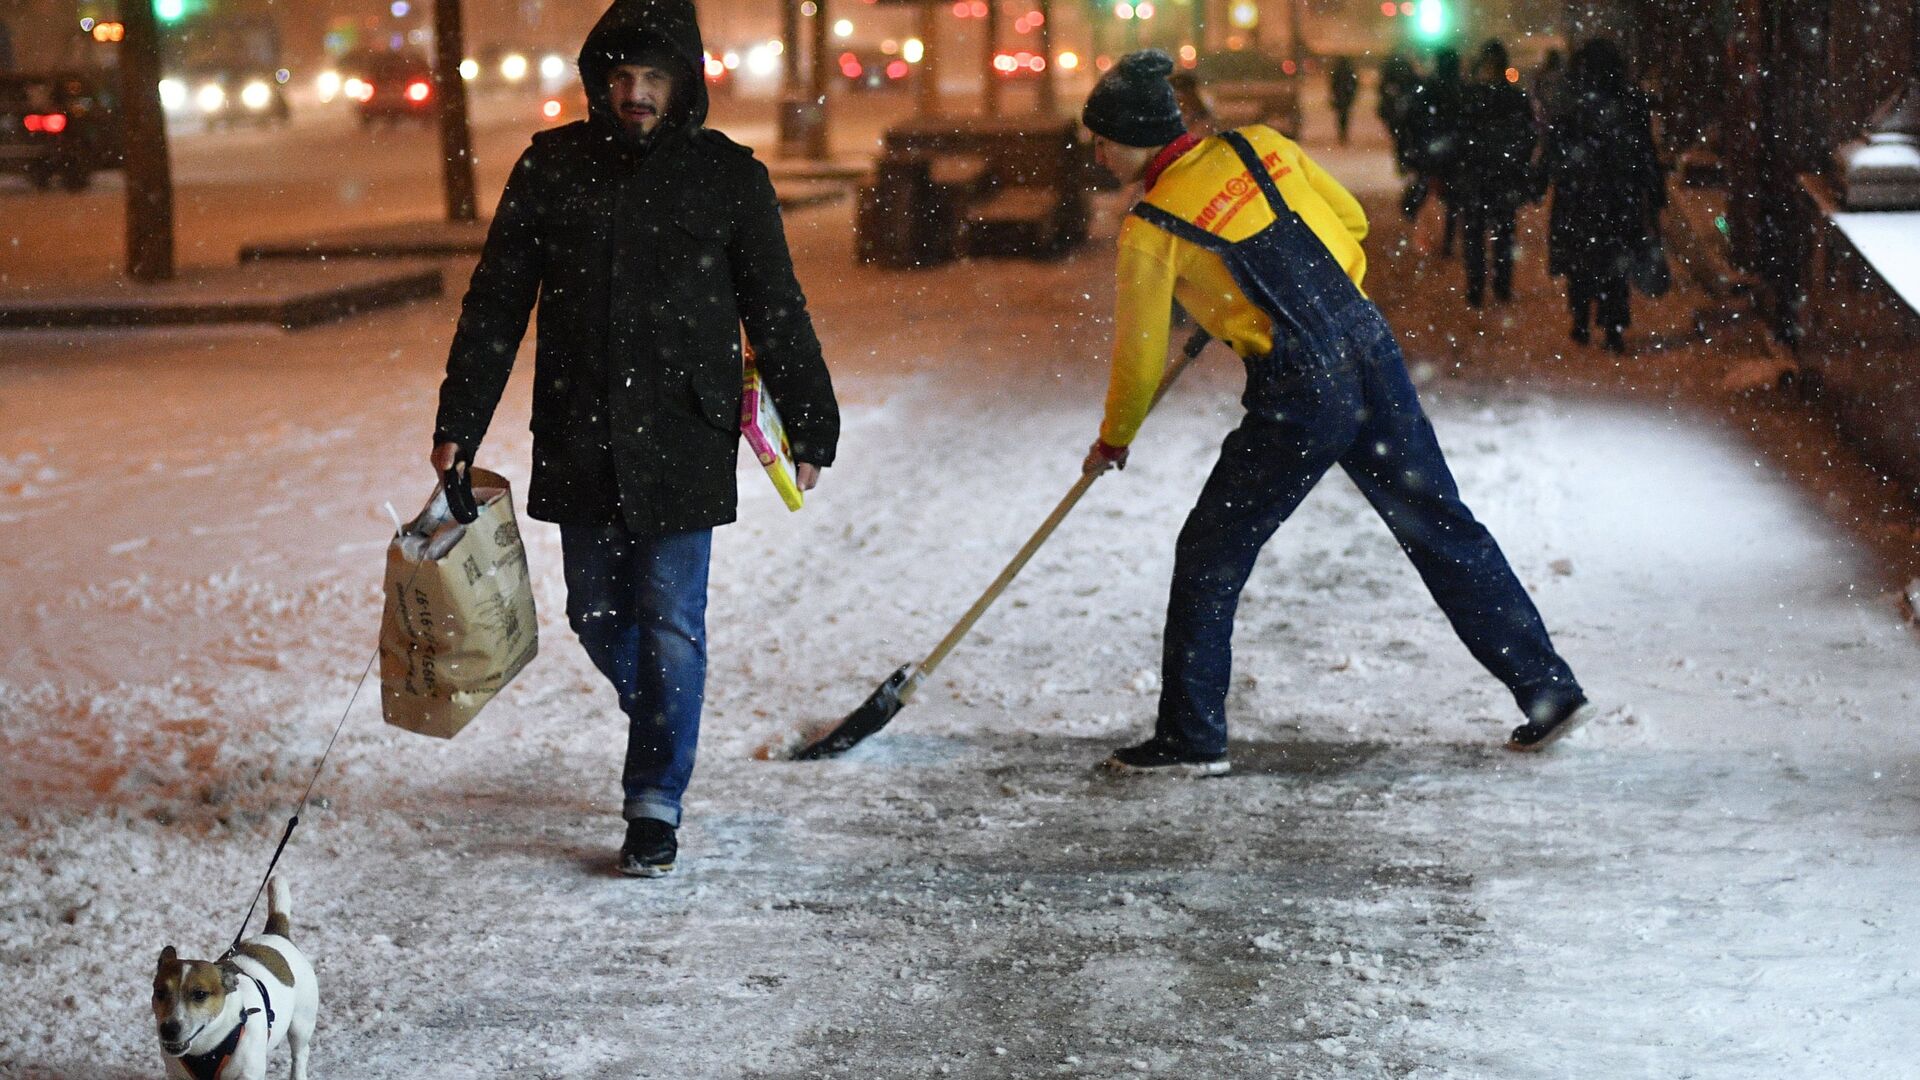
[646, 258]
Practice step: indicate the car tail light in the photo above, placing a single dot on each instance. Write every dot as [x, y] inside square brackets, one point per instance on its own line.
[418, 90]
[551, 110]
[47, 123]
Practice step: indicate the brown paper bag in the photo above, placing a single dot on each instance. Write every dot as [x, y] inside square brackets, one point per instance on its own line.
[459, 618]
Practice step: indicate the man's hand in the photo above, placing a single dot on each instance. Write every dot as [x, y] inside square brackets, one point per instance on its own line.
[806, 475]
[443, 455]
[1101, 457]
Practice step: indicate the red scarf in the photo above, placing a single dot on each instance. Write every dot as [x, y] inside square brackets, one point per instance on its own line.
[1169, 154]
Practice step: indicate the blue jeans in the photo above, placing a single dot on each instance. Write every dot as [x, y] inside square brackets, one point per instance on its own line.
[639, 605]
[1355, 408]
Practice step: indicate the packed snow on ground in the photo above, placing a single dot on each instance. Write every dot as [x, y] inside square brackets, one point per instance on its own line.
[1715, 880]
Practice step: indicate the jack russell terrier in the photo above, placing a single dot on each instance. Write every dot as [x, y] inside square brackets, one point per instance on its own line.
[217, 1020]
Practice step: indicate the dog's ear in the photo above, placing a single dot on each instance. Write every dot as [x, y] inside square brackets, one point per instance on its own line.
[168, 956]
[229, 981]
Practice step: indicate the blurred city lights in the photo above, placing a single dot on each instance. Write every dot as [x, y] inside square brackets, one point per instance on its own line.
[762, 60]
[843, 28]
[256, 95]
[912, 50]
[327, 85]
[418, 90]
[173, 94]
[1068, 60]
[552, 67]
[469, 69]
[211, 98]
[513, 67]
[551, 110]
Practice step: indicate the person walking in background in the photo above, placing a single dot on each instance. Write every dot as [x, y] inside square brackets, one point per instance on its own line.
[1398, 79]
[1607, 190]
[1433, 137]
[1549, 88]
[1193, 105]
[1495, 174]
[1264, 248]
[1343, 89]
[647, 240]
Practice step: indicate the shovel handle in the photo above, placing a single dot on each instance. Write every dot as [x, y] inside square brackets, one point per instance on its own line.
[1190, 350]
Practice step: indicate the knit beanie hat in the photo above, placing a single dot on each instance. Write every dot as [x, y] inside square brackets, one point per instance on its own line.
[1133, 104]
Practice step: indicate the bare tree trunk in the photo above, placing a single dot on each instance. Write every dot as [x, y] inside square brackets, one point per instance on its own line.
[819, 145]
[456, 140]
[990, 91]
[149, 174]
[929, 74]
[1049, 91]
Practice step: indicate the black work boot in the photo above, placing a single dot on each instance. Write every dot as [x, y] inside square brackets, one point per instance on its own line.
[1557, 724]
[649, 848]
[1169, 759]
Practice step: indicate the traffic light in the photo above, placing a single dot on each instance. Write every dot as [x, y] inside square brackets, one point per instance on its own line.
[174, 11]
[1431, 19]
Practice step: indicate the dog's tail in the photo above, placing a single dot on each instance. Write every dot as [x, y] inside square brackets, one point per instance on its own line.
[278, 906]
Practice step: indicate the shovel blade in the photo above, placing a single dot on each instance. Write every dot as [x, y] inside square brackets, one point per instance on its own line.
[882, 705]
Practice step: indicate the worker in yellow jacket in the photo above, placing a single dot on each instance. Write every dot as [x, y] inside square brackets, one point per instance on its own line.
[1262, 247]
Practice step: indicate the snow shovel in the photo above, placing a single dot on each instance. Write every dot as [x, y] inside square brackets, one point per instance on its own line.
[898, 689]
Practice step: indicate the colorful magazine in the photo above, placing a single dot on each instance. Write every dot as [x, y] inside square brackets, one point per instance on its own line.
[760, 423]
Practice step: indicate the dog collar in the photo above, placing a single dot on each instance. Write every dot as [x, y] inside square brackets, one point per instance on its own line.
[266, 1002]
[207, 1066]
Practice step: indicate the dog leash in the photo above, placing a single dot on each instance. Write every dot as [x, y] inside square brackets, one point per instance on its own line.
[457, 482]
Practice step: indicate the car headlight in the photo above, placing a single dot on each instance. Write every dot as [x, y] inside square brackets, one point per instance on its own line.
[211, 98]
[328, 85]
[513, 67]
[553, 67]
[255, 95]
[173, 95]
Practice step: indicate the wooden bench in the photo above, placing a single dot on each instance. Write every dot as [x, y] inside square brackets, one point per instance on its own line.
[1012, 221]
[981, 186]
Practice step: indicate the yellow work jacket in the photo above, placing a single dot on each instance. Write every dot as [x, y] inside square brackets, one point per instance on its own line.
[1210, 187]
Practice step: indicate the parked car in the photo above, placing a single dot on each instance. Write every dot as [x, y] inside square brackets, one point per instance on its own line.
[1250, 87]
[389, 87]
[59, 126]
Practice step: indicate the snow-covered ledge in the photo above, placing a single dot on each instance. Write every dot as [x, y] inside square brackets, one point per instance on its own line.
[1881, 169]
[1889, 240]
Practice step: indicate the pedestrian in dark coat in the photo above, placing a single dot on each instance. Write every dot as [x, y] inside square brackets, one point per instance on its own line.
[1398, 80]
[1433, 136]
[1495, 173]
[1607, 189]
[1343, 88]
[648, 241]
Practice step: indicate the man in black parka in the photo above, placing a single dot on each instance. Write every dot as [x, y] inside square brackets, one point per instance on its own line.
[648, 240]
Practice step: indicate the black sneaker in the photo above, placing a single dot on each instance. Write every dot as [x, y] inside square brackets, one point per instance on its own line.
[1536, 735]
[1165, 758]
[649, 848]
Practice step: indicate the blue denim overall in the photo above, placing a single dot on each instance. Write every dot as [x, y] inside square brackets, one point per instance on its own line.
[1333, 390]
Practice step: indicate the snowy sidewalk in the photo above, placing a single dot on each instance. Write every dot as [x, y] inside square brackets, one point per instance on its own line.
[1714, 882]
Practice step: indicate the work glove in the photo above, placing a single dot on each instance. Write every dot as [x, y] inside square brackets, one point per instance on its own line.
[1101, 457]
